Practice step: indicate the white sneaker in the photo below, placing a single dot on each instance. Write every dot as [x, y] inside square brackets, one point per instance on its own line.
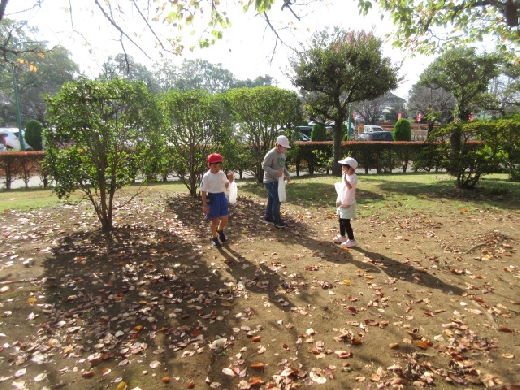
[349, 244]
[339, 238]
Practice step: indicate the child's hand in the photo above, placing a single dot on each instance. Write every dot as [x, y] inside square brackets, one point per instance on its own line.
[231, 176]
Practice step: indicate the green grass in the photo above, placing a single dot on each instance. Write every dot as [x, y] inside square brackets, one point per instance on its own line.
[410, 193]
[376, 193]
[36, 198]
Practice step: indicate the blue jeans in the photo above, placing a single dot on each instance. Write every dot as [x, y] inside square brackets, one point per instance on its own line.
[272, 210]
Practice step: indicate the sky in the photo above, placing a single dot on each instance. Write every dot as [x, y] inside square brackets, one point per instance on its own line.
[247, 49]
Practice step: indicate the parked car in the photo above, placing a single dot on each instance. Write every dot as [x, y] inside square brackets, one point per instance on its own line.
[304, 137]
[371, 128]
[11, 137]
[376, 136]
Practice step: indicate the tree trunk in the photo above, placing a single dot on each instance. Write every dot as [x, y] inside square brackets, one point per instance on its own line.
[336, 151]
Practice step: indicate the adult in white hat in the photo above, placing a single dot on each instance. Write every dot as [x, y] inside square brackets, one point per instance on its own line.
[274, 168]
[346, 202]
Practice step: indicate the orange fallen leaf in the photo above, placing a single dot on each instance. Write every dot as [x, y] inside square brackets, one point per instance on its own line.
[258, 366]
[256, 339]
[422, 344]
[166, 379]
[87, 374]
[190, 385]
[254, 381]
[32, 300]
[505, 329]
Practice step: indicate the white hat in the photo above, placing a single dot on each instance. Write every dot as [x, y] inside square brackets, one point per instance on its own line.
[283, 141]
[349, 161]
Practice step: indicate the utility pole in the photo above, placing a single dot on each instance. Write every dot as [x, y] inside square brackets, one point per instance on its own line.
[17, 104]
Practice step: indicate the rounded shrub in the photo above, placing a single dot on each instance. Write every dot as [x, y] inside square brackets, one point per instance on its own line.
[33, 134]
[319, 132]
[402, 130]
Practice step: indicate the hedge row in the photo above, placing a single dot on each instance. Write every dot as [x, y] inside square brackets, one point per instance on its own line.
[22, 165]
[381, 156]
[312, 157]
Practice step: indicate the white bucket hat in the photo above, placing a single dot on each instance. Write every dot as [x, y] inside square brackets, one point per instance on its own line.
[283, 141]
[349, 161]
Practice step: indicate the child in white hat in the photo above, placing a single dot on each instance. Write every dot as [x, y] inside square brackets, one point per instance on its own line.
[347, 202]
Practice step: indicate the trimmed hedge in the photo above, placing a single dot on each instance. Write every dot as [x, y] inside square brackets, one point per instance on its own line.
[22, 165]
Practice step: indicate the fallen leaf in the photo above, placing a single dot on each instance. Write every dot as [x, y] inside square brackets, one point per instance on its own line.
[422, 344]
[228, 371]
[121, 386]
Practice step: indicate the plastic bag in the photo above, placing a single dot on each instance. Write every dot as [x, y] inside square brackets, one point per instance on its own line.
[281, 189]
[233, 192]
[341, 189]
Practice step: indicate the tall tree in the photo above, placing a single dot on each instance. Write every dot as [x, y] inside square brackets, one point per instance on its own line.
[125, 67]
[44, 74]
[464, 73]
[201, 74]
[18, 54]
[340, 68]
[100, 138]
[194, 75]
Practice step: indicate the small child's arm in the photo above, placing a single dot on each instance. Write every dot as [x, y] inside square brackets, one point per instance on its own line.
[205, 208]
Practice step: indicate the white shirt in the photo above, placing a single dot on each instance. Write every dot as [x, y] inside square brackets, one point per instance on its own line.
[350, 196]
[214, 183]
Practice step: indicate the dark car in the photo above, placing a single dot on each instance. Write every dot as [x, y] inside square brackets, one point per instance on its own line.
[376, 136]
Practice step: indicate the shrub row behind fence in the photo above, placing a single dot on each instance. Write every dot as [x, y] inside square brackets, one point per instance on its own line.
[381, 156]
[22, 165]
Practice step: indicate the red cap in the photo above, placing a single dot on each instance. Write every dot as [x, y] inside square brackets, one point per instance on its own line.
[214, 158]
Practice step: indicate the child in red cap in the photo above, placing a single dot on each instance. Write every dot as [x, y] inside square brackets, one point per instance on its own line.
[214, 202]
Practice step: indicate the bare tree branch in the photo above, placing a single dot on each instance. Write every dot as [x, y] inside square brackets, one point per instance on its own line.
[116, 26]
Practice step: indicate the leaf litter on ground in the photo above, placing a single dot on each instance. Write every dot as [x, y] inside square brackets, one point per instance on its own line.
[425, 300]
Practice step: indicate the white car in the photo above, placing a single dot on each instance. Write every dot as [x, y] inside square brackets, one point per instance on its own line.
[11, 139]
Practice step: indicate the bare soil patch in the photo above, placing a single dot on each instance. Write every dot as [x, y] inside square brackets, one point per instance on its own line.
[426, 300]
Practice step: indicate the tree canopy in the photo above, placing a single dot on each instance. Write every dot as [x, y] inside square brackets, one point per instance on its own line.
[426, 26]
[464, 73]
[262, 112]
[99, 139]
[338, 68]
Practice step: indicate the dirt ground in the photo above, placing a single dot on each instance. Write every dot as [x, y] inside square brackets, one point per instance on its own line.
[425, 300]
